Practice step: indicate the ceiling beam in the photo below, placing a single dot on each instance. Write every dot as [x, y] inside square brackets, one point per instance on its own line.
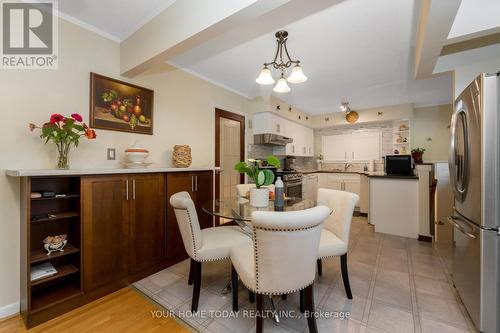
[471, 44]
[184, 25]
[434, 25]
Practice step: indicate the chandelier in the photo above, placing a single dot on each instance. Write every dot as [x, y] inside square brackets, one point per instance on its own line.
[281, 62]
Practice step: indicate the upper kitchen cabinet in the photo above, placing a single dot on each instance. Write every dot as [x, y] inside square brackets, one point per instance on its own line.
[303, 137]
[264, 123]
[303, 140]
[351, 147]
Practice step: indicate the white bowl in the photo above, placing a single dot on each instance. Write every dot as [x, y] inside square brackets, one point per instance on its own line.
[136, 157]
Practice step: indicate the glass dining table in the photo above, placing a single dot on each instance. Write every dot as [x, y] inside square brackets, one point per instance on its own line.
[240, 210]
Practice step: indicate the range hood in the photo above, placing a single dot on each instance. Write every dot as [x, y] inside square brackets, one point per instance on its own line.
[271, 139]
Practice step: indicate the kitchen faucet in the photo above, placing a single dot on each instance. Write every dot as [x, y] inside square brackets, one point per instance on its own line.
[346, 166]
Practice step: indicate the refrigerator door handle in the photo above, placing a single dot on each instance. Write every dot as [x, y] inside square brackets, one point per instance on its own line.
[453, 221]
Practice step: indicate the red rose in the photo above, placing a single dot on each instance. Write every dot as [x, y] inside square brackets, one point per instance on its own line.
[77, 117]
[55, 118]
[90, 133]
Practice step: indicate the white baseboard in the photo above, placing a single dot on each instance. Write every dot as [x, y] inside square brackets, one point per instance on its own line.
[9, 310]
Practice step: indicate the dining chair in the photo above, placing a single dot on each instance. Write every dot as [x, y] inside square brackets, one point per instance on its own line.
[203, 245]
[281, 259]
[335, 234]
[243, 189]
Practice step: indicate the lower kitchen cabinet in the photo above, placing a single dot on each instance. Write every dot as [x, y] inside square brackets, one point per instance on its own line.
[341, 182]
[123, 226]
[147, 221]
[199, 185]
[106, 230]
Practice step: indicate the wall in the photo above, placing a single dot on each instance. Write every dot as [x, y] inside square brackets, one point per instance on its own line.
[183, 114]
[432, 123]
[385, 113]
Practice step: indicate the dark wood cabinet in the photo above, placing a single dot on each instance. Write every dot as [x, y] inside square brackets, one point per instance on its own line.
[199, 185]
[105, 229]
[120, 228]
[147, 221]
[124, 226]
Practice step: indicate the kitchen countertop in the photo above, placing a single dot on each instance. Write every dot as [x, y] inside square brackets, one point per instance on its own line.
[377, 174]
[82, 172]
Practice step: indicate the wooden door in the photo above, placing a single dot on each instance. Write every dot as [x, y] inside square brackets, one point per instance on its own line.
[203, 194]
[147, 221]
[105, 230]
[176, 182]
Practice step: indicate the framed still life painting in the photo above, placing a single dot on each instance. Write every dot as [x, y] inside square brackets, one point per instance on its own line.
[120, 106]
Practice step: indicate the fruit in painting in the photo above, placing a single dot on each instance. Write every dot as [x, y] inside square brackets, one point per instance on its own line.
[126, 109]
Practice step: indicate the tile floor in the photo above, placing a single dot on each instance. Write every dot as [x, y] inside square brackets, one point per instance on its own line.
[399, 285]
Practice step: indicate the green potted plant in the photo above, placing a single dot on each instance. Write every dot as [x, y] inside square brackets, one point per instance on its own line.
[416, 154]
[259, 196]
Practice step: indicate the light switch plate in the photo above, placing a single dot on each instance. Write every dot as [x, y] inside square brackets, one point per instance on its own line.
[111, 154]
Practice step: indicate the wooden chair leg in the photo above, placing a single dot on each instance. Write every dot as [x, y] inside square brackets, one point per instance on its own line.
[320, 266]
[301, 301]
[234, 287]
[345, 275]
[191, 268]
[309, 305]
[197, 286]
[251, 296]
[260, 314]
[284, 297]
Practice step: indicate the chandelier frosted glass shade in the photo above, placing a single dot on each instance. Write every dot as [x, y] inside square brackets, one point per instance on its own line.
[297, 75]
[265, 77]
[281, 86]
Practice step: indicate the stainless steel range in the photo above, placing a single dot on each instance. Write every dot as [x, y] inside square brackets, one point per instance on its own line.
[292, 181]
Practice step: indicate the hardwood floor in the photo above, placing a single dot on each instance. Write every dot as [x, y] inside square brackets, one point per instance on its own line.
[123, 311]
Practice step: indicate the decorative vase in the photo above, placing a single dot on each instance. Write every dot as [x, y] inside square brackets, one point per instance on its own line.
[181, 157]
[63, 152]
[259, 197]
[417, 157]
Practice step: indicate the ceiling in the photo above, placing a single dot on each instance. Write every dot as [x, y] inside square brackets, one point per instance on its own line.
[116, 19]
[475, 16]
[355, 50]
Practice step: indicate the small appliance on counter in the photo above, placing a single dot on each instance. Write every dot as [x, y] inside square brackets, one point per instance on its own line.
[289, 163]
[398, 165]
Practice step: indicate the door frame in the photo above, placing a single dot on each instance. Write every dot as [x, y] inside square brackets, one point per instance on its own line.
[219, 113]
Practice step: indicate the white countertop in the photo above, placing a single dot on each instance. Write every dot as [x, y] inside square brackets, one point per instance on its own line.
[82, 172]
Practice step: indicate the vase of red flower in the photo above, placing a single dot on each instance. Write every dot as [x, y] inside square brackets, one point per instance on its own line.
[64, 132]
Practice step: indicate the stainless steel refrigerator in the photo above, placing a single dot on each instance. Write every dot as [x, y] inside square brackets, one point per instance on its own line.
[474, 176]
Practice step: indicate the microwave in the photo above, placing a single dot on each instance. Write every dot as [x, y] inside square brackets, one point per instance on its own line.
[398, 165]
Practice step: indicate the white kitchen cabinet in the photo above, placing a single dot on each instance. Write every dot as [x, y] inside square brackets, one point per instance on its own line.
[364, 194]
[340, 182]
[268, 123]
[351, 147]
[365, 146]
[335, 147]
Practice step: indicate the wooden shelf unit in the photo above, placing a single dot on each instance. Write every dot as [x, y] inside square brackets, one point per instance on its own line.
[44, 294]
[41, 255]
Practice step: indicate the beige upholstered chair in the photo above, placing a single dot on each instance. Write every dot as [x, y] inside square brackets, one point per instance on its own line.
[242, 189]
[282, 258]
[335, 234]
[203, 244]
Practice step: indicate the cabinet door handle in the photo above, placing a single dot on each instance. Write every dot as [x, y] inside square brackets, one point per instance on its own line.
[133, 189]
[192, 183]
[353, 155]
[196, 183]
[126, 189]
[345, 156]
[278, 128]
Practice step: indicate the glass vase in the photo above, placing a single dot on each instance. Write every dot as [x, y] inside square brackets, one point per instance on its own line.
[63, 155]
